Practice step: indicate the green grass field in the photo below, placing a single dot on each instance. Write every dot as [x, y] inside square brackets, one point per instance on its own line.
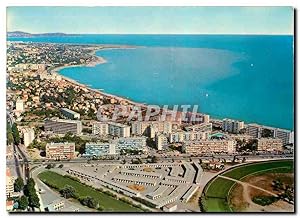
[216, 191]
[107, 202]
[283, 166]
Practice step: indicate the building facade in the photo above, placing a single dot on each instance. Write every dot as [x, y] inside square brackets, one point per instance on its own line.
[19, 105]
[61, 126]
[160, 141]
[130, 143]
[232, 126]
[118, 129]
[183, 136]
[269, 144]
[100, 128]
[209, 146]
[203, 127]
[99, 149]
[60, 151]
[28, 136]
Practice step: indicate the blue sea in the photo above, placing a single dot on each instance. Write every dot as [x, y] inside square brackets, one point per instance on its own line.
[250, 78]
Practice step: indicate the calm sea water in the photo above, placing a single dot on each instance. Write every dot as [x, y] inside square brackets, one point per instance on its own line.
[241, 77]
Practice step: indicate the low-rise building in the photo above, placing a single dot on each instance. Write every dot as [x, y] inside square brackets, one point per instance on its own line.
[202, 127]
[130, 143]
[56, 205]
[269, 144]
[99, 149]
[209, 146]
[183, 136]
[60, 151]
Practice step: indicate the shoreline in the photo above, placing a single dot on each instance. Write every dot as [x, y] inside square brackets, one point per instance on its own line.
[101, 60]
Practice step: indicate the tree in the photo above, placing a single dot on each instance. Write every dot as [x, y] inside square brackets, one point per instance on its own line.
[154, 159]
[19, 184]
[68, 191]
[15, 133]
[9, 134]
[34, 200]
[23, 202]
[266, 133]
[89, 201]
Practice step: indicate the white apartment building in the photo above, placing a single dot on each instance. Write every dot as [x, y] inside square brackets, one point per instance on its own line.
[19, 105]
[232, 126]
[151, 127]
[118, 129]
[285, 135]
[256, 131]
[161, 140]
[100, 128]
[28, 136]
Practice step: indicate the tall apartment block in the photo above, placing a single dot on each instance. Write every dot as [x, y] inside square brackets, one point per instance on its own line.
[100, 128]
[61, 126]
[256, 131]
[28, 136]
[232, 126]
[118, 129]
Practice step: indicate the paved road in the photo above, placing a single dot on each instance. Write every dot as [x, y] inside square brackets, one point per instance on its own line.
[164, 159]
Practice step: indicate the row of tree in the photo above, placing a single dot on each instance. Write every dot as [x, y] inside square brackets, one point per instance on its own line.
[30, 192]
[70, 192]
[30, 197]
[13, 135]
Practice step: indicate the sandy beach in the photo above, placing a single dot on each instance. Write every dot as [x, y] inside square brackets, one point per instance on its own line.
[99, 60]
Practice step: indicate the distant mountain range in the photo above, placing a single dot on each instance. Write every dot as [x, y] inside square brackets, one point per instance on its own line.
[25, 34]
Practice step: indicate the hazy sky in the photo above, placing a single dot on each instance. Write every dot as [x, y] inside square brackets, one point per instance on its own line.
[151, 20]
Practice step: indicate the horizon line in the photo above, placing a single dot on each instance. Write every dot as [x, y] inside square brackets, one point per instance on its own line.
[261, 34]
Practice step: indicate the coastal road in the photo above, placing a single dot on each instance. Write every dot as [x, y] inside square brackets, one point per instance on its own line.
[163, 159]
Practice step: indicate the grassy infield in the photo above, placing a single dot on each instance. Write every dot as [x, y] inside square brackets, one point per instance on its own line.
[107, 202]
[217, 191]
